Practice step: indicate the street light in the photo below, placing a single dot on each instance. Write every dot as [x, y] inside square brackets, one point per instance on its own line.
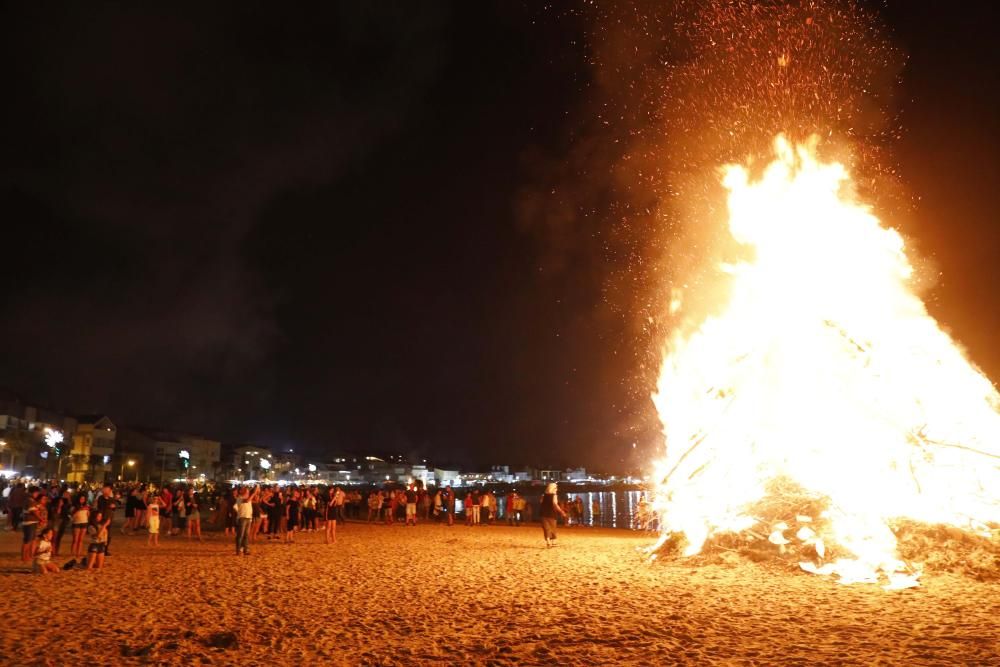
[130, 464]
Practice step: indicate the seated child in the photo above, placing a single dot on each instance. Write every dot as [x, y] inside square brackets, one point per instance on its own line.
[43, 553]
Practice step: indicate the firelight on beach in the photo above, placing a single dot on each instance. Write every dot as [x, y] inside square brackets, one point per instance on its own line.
[824, 369]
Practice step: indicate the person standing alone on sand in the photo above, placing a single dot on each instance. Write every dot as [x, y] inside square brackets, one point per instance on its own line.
[550, 510]
[244, 518]
[513, 511]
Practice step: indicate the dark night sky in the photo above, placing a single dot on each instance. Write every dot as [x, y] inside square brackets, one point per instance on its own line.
[303, 228]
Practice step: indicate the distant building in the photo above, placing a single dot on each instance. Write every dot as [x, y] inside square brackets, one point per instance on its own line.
[331, 473]
[444, 477]
[287, 465]
[15, 444]
[205, 456]
[167, 455]
[467, 478]
[247, 462]
[92, 449]
[500, 474]
[420, 473]
[34, 441]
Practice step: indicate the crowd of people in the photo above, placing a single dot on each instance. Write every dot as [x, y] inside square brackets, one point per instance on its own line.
[76, 520]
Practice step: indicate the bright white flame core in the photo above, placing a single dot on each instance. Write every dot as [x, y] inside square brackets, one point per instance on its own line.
[823, 367]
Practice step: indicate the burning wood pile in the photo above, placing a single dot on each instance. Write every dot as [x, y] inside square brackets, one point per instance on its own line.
[819, 415]
[792, 530]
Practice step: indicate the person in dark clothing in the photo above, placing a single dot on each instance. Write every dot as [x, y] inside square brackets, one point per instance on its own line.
[106, 504]
[15, 504]
[411, 506]
[550, 510]
[63, 513]
[449, 504]
[292, 508]
[277, 519]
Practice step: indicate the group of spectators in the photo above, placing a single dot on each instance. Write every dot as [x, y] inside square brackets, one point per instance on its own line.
[49, 514]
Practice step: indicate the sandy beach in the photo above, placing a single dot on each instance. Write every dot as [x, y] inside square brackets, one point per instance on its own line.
[389, 595]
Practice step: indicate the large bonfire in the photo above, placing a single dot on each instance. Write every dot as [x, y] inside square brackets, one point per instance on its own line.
[820, 410]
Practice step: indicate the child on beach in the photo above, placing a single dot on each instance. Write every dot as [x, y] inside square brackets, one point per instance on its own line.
[97, 536]
[153, 521]
[43, 553]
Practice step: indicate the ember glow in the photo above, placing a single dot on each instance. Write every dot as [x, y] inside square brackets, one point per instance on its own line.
[822, 366]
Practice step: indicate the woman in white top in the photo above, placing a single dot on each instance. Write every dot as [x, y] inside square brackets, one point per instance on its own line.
[80, 518]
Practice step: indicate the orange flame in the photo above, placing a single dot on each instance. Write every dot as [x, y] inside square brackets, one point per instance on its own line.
[823, 367]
